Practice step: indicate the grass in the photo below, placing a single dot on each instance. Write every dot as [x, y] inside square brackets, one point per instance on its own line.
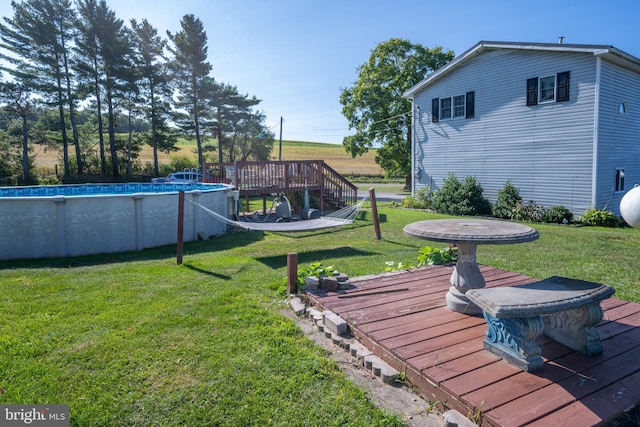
[134, 339]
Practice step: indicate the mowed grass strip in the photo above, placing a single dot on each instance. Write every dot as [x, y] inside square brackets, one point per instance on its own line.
[134, 339]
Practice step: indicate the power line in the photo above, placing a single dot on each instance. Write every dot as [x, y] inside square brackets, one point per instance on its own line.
[391, 118]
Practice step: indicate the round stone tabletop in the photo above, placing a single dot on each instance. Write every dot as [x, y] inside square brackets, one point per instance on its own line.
[471, 231]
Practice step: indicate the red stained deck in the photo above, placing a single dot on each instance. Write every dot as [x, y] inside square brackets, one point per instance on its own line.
[402, 318]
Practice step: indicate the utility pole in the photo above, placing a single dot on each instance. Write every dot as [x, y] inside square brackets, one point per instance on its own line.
[280, 153]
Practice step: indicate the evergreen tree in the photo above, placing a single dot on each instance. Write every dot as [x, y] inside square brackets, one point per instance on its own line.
[116, 60]
[18, 101]
[230, 110]
[40, 36]
[154, 87]
[89, 70]
[190, 69]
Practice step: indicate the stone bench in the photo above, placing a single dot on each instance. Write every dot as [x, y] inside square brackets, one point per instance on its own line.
[565, 310]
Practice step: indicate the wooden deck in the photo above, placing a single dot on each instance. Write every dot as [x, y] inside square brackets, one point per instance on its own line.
[265, 178]
[402, 318]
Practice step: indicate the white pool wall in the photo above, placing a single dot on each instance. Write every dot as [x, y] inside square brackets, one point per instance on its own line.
[60, 226]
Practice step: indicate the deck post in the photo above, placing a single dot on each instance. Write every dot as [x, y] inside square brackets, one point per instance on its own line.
[292, 273]
[374, 212]
[322, 195]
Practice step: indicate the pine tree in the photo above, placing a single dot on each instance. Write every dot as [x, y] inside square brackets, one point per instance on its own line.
[40, 37]
[190, 70]
[154, 86]
[19, 101]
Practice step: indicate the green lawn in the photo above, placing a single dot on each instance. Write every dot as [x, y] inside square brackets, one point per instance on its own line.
[134, 339]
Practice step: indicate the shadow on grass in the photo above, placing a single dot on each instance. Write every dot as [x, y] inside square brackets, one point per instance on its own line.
[280, 261]
[207, 272]
[216, 243]
[229, 240]
[319, 232]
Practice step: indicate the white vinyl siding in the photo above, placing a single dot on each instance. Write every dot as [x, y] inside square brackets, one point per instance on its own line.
[618, 135]
[546, 151]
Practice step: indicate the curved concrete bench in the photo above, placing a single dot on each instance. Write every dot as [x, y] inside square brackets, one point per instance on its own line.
[565, 310]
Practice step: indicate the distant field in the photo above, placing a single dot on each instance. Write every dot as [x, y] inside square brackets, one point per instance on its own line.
[334, 155]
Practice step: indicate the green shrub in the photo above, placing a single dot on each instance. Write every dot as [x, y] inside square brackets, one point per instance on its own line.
[180, 162]
[445, 198]
[558, 215]
[436, 256]
[600, 217]
[531, 212]
[507, 200]
[313, 269]
[393, 266]
[422, 199]
[464, 198]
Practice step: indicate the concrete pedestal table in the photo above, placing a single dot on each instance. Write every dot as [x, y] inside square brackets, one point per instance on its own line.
[467, 234]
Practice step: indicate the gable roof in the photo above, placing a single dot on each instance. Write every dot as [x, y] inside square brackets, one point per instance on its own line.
[607, 52]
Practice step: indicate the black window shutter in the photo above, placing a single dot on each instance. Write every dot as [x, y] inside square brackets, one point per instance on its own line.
[562, 87]
[532, 91]
[470, 107]
[435, 110]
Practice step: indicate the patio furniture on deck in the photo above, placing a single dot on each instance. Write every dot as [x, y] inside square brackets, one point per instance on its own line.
[467, 234]
[565, 310]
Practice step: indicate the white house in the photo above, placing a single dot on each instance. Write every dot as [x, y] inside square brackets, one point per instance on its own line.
[561, 121]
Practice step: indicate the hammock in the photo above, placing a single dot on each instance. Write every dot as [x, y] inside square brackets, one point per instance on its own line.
[340, 217]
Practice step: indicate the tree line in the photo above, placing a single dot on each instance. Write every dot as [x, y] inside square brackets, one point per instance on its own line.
[78, 78]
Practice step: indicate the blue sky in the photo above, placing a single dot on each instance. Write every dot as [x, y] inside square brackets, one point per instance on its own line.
[297, 55]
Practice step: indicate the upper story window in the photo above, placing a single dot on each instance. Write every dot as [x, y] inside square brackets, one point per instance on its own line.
[548, 89]
[445, 108]
[458, 106]
[453, 107]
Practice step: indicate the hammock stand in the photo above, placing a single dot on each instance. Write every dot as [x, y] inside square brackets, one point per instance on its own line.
[340, 217]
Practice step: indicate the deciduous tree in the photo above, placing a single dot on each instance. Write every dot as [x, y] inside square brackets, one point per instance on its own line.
[374, 105]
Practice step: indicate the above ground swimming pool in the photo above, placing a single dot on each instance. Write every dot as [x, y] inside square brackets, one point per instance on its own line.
[72, 220]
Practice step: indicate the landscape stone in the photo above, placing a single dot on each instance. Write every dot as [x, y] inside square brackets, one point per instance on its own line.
[297, 306]
[335, 324]
[312, 282]
[329, 283]
[454, 418]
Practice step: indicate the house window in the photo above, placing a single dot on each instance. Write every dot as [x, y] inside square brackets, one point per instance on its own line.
[619, 179]
[445, 108]
[453, 107]
[458, 106]
[548, 89]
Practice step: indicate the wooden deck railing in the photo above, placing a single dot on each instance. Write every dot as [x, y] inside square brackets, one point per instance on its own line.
[268, 177]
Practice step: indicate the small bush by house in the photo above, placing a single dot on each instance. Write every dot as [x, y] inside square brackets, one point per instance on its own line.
[466, 198]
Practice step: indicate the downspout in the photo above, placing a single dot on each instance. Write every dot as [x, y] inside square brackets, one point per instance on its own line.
[596, 122]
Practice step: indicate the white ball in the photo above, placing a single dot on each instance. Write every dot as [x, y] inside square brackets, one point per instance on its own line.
[630, 207]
